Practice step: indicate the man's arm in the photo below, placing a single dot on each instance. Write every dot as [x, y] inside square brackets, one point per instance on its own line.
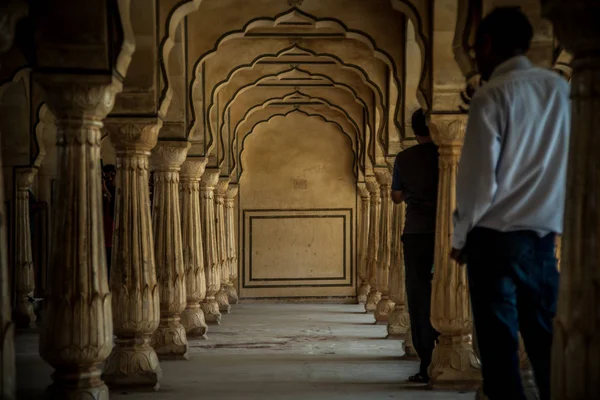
[476, 182]
[398, 195]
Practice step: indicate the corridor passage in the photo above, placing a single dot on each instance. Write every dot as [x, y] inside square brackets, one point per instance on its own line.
[271, 352]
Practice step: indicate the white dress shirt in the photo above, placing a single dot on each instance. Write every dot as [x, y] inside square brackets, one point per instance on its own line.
[513, 166]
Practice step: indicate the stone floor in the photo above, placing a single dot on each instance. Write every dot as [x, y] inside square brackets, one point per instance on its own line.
[273, 351]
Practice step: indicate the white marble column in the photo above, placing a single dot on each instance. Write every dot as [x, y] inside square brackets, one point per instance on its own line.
[399, 321]
[363, 243]
[232, 259]
[78, 334]
[576, 348]
[24, 271]
[373, 247]
[209, 239]
[133, 363]
[169, 340]
[192, 317]
[222, 295]
[454, 364]
[385, 304]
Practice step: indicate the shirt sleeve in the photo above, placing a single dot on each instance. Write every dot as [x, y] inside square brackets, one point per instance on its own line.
[476, 182]
[396, 181]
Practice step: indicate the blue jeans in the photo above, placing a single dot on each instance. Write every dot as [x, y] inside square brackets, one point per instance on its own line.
[513, 281]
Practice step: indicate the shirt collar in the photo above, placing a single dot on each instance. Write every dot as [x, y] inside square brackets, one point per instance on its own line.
[512, 64]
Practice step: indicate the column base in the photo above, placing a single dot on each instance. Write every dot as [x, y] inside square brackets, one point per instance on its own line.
[210, 307]
[363, 293]
[410, 353]
[372, 300]
[25, 317]
[133, 364]
[454, 365]
[232, 295]
[383, 310]
[192, 319]
[77, 385]
[170, 340]
[222, 299]
[398, 323]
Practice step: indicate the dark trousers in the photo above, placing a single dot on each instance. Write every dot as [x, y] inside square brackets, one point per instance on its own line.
[513, 280]
[418, 262]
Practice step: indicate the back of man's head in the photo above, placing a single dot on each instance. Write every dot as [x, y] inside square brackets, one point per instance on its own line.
[419, 123]
[508, 29]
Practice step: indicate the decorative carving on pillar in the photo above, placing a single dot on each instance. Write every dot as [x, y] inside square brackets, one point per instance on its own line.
[363, 243]
[222, 296]
[169, 340]
[133, 363]
[232, 259]
[209, 238]
[576, 348]
[79, 335]
[374, 294]
[385, 306]
[399, 321]
[24, 272]
[454, 363]
[192, 317]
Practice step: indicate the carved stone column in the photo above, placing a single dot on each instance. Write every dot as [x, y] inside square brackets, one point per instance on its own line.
[169, 340]
[78, 335]
[454, 363]
[133, 363]
[222, 296]
[209, 239]
[363, 243]
[24, 272]
[399, 321]
[232, 259]
[385, 305]
[192, 317]
[372, 250]
[576, 348]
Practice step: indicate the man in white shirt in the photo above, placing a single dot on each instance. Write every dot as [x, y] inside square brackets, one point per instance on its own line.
[510, 199]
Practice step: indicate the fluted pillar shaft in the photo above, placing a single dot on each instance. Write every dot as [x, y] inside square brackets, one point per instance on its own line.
[363, 243]
[454, 362]
[373, 247]
[209, 238]
[24, 271]
[133, 363]
[399, 321]
[192, 317]
[385, 305]
[576, 348]
[222, 296]
[78, 333]
[232, 259]
[169, 340]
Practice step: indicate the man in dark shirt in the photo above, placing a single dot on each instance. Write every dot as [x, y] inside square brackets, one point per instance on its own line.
[415, 182]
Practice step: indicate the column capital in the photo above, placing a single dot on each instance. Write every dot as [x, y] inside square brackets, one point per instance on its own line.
[131, 135]
[25, 177]
[575, 23]
[222, 187]
[88, 97]
[193, 168]
[232, 191]
[210, 178]
[169, 155]
[448, 129]
[362, 190]
[372, 186]
[383, 176]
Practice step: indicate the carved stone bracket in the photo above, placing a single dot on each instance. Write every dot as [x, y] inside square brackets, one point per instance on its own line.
[133, 363]
[192, 317]
[169, 340]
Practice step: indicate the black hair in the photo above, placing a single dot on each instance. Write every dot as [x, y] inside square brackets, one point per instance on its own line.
[509, 30]
[419, 123]
[109, 168]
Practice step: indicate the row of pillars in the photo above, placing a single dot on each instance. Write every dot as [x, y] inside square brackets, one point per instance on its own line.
[173, 268]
